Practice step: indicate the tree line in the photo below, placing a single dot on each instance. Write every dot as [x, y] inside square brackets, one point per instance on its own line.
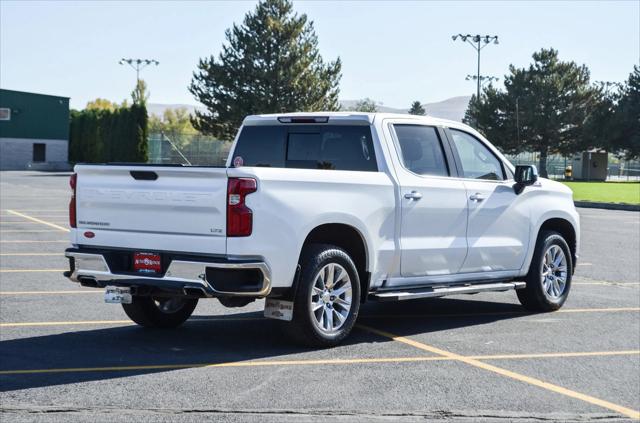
[108, 132]
[270, 63]
[553, 107]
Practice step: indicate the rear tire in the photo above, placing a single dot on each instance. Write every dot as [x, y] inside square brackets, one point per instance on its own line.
[549, 277]
[327, 299]
[162, 312]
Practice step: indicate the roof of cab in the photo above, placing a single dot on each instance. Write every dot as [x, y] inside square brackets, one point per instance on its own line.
[345, 117]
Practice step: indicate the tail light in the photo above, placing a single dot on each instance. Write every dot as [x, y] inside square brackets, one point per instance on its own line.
[239, 216]
[73, 182]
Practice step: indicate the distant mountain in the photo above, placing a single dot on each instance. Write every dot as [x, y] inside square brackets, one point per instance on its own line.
[452, 108]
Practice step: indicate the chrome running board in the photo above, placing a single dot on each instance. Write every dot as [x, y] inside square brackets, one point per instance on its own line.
[442, 291]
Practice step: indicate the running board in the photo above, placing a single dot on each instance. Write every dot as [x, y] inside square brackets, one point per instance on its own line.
[432, 292]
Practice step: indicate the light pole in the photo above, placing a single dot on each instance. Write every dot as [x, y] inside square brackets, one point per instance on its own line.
[478, 42]
[138, 65]
[483, 78]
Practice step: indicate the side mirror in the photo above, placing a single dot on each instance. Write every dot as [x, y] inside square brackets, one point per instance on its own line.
[525, 175]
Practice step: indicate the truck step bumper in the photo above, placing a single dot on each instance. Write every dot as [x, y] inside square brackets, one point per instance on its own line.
[195, 278]
[432, 292]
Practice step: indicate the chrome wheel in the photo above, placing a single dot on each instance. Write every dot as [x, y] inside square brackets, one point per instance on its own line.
[169, 305]
[554, 272]
[331, 298]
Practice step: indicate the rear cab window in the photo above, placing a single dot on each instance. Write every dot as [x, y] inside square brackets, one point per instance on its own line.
[331, 147]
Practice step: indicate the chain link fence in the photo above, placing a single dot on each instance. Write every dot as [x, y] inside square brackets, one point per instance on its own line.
[202, 150]
[617, 170]
[187, 149]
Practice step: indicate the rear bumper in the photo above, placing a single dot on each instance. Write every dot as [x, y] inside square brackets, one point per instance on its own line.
[190, 277]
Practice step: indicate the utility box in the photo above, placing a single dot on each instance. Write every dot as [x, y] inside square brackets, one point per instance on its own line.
[590, 166]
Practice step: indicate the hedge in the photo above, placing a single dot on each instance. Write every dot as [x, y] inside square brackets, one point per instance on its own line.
[100, 136]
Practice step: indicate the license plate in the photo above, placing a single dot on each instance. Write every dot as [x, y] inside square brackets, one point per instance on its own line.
[117, 295]
[277, 309]
[147, 263]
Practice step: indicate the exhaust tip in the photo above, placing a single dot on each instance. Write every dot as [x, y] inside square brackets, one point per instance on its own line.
[194, 292]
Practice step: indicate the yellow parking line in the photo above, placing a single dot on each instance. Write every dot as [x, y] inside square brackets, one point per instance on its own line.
[71, 323]
[634, 414]
[31, 270]
[120, 322]
[21, 222]
[596, 310]
[213, 319]
[34, 219]
[42, 210]
[31, 254]
[498, 313]
[50, 292]
[553, 355]
[19, 231]
[260, 363]
[27, 241]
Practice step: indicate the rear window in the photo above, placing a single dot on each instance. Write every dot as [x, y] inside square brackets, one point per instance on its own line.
[334, 147]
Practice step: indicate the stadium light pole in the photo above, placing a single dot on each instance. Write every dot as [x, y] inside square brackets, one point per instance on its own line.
[478, 42]
[483, 78]
[138, 65]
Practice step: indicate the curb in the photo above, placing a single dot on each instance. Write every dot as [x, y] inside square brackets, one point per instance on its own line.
[607, 206]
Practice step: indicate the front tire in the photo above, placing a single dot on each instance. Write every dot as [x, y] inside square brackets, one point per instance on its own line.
[549, 277]
[160, 312]
[327, 300]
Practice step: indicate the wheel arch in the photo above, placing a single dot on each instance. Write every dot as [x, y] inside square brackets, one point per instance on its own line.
[349, 239]
[565, 228]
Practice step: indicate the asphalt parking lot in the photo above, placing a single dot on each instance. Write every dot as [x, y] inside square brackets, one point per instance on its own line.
[65, 355]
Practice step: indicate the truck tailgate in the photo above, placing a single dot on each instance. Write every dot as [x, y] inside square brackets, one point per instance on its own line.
[152, 207]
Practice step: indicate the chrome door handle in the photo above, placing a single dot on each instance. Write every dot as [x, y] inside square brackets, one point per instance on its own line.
[413, 195]
[477, 197]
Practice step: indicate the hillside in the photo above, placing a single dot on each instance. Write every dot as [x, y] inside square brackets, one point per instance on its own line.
[452, 108]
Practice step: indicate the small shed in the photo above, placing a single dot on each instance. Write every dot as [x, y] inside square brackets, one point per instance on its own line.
[590, 165]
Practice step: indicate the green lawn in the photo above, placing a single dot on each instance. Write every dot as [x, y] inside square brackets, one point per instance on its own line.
[606, 192]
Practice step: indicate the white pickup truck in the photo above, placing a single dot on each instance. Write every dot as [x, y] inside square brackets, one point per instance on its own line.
[318, 212]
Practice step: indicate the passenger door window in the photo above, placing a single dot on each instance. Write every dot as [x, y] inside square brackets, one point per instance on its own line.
[478, 162]
[421, 150]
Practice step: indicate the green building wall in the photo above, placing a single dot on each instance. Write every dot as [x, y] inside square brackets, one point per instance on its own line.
[36, 116]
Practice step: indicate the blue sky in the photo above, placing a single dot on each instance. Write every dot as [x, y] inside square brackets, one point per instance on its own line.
[393, 52]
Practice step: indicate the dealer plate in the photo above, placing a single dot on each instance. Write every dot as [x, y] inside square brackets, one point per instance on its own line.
[278, 309]
[117, 295]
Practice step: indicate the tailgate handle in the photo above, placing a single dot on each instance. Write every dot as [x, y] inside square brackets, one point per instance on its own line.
[144, 175]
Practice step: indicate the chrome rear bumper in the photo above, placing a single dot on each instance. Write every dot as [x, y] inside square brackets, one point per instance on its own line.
[92, 269]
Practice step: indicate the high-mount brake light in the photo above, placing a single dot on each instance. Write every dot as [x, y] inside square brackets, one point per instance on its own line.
[239, 216]
[309, 119]
[73, 183]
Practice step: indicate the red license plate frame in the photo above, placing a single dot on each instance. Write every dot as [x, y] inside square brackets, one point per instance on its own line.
[145, 262]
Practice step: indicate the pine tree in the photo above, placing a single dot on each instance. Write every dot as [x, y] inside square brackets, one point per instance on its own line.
[417, 109]
[269, 64]
[543, 108]
[627, 118]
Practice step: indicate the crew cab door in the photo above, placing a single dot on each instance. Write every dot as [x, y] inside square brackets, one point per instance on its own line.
[433, 205]
[498, 225]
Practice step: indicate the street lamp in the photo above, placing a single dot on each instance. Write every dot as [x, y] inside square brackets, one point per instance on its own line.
[138, 65]
[478, 42]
